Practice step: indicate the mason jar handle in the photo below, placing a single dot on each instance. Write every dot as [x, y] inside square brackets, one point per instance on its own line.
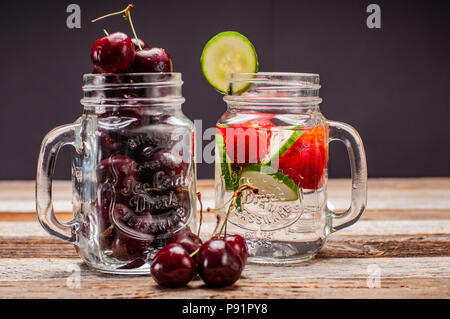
[51, 145]
[349, 136]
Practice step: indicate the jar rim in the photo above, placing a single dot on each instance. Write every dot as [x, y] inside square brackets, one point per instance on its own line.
[100, 80]
[134, 73]
[274, 89]
[287, 74]
[287, 78]
[115, 89]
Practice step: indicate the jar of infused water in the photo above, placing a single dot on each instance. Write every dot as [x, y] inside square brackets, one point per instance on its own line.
[133, 170]
[274, 137]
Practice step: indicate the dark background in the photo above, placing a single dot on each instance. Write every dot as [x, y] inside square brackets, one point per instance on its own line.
[392, 84]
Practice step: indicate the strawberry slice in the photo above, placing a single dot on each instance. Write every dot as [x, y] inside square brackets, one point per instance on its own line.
[306, 159]
[249, 142]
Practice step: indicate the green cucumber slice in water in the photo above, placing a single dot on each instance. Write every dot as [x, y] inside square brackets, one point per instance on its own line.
[286, 145]
[228, 169]
[270, 182]
[225, 53]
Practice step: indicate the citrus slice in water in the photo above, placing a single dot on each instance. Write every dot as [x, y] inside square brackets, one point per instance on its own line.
[270, 182]
[225, 53]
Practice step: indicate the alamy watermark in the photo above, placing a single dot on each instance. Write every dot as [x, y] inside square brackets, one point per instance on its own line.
[374, 276]
[374, 19]
[243, 144]
[73, 20]
[73, 281]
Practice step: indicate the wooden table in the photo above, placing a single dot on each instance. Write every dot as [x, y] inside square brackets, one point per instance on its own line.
[399, 249]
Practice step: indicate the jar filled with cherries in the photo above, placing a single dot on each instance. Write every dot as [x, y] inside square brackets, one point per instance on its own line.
[133, 170]
[133, 173]
[135, 165]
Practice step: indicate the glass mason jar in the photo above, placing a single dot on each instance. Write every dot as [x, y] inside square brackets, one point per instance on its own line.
[274, 137]
[133, 170]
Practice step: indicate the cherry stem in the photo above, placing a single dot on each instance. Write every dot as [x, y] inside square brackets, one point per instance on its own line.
[225, 222]
[114, 13]
[108, 231]
[199, 196]
[178, 189]
[127, 15]
[236, 194]
[217, 226]
[106, 32]
[209, 209]
[194, 252]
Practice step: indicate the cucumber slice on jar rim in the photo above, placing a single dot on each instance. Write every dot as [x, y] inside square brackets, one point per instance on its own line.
[270, 182]
[225, 53]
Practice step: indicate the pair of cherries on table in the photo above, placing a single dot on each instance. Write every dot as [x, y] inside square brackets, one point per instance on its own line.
[219, 261]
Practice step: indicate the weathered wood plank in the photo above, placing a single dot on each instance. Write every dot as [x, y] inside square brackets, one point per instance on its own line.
[378, 214]
[349, 246]
[61, 189]
[341, 246]
[394, 227]
[139, 288]
[405, 214]
[330, 278]
[384, 194]
[33, 230]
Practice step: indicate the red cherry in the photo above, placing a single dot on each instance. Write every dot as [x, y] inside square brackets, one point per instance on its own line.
[162, 168]
[106, 238]
[135, 224]
[126, 248]
[113, 53]
[186, 238]
[250, 140]
[138, 42]
[239, 244]
[173, 266]
[219, 264]
[108, 143]
[118, 171]
[152, 60]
